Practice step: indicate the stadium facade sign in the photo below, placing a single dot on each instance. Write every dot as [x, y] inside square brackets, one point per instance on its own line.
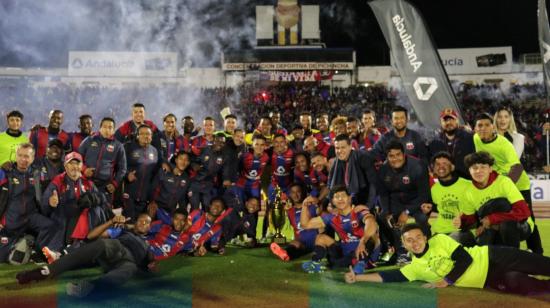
[300, 76]
[123, 64]
[288, 66]
[468, 61]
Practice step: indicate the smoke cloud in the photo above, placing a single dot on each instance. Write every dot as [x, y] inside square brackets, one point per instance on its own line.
[41, 33]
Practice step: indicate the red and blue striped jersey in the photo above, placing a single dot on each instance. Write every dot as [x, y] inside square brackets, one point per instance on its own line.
[251, 168]
[305, 236]
[164, 242]
[281, 166]
[350, 228]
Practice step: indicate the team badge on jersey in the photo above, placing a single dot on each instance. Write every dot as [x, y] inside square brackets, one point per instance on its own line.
[93, 144]
[15, 181]
[406, 180]
[354, 224]
[219, 160]
[110, 148]
[409, 146]
[183, 183]
[206, 158]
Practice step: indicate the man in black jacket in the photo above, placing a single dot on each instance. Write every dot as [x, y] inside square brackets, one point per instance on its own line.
[120, 251]
[455, 140]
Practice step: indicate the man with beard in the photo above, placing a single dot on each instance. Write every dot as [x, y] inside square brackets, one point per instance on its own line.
[304, 240]
[85, 125]
[142, 164]
[50, 165]
[413, 143]
[40, 136]
[128, 130]
[12, 137]
[60, 202]
[453, 139]
[211, 173]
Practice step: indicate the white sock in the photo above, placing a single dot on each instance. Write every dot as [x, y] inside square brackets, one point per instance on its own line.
[45, 271]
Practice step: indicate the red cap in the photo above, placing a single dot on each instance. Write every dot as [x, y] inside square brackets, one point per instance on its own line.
[448, 112]
[71, 156]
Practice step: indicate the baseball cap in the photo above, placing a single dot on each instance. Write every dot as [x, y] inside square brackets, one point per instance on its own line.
[56, 142]
[448, 112]
[71, 156]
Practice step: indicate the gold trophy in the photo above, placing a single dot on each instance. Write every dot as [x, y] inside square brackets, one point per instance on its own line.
[278, 216]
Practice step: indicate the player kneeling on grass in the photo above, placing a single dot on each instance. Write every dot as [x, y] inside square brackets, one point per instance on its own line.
[440, 261]
[120, 251]
[304, 240]
[356, 227]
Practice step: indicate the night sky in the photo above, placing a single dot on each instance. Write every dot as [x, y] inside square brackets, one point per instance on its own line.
[40, 33]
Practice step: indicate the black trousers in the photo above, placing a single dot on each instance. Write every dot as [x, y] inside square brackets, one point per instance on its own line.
[509, 270]
[114, 258]
[533, 241]
[510, 233]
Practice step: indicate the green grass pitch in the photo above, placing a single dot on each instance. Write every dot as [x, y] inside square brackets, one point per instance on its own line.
[251, 278]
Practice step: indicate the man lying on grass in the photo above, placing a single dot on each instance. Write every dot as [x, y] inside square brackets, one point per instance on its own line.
[120, 251]
[441, 262]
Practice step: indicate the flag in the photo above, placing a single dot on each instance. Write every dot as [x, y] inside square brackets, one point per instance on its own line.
[544, 41]
[417, 60]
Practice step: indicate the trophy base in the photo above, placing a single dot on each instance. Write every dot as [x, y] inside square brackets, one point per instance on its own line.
[278, 239]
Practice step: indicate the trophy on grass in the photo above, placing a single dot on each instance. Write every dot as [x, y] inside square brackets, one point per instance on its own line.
[278, 216]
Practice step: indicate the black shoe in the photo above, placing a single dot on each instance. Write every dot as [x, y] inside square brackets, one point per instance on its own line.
[38, 258]
[36, 274]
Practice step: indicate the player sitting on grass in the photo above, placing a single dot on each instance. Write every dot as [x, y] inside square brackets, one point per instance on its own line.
[356, 227]
[304, 240]
[440, 261]
[120, 251]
